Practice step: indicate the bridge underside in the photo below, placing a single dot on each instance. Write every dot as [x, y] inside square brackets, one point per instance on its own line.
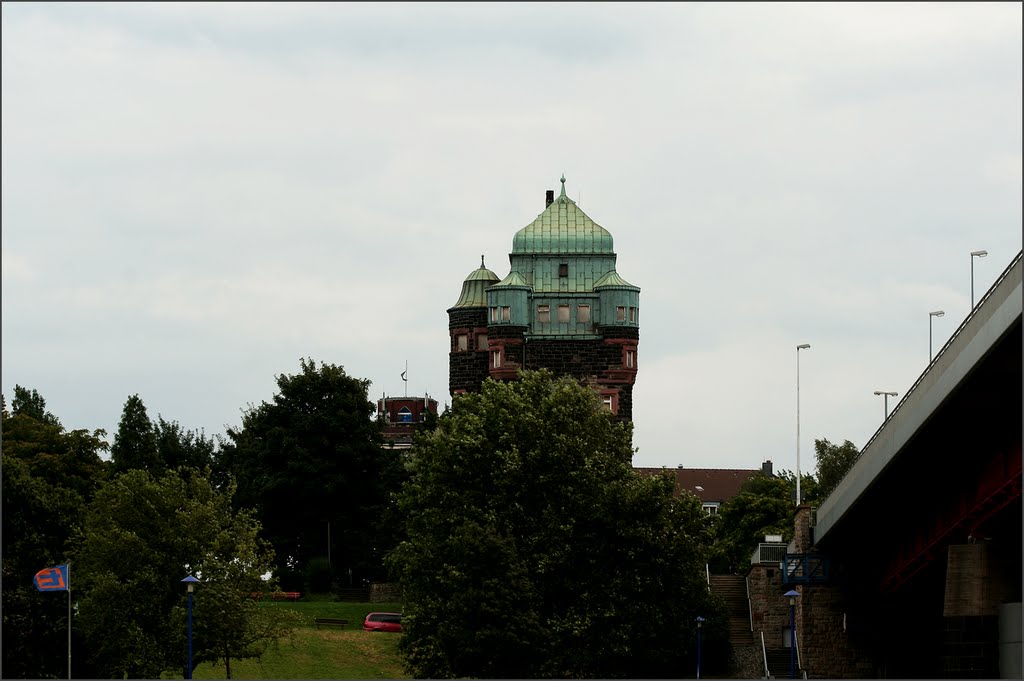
[956, 483]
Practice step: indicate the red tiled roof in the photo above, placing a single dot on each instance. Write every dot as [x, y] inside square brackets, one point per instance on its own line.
[716, 484]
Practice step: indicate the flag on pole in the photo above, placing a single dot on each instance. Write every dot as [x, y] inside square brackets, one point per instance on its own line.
[403, 375]
[52, 579]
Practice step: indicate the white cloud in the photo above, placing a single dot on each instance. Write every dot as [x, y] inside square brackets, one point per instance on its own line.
[195, 196]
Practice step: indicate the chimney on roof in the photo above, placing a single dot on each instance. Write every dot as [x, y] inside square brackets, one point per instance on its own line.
[549, 197]
[766, 468]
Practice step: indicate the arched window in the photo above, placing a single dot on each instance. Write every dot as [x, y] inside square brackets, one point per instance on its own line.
[404, 415]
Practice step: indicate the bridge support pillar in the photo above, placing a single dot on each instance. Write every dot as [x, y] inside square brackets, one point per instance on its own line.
[978, 582]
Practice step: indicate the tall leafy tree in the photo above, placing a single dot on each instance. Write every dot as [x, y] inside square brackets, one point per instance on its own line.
[48, 477]
[534, 550]
[833, 462]
[31, 403]
[135, 443]
[142, 535]
[310, 459]
[178, 447]
[764, 505]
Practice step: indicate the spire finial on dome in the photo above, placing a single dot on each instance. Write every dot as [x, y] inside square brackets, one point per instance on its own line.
[481, 262]
[563, 186]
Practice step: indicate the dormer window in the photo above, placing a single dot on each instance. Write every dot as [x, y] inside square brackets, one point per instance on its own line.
[620, 313]
[563, 270]
[563, 314]
[583, 313]
[543, 313]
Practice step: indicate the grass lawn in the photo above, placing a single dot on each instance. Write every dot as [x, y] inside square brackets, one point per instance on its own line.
[327, 653]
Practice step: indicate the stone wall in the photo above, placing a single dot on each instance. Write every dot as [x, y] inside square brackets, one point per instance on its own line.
[385, 592]
[827, 647]
[466, 369]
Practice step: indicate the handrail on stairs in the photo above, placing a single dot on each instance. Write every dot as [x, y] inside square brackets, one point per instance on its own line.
[750, 604]
[764, 656]
[796, 644]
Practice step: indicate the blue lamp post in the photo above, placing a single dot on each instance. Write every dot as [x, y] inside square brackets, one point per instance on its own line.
[792, 594]
[189, 583]
[700, 625]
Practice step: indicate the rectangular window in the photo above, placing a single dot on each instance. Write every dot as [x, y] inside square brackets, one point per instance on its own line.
[583, 313]
[630, 359]
[563, 314]
[620, 313]
[632, 314]
[506, 313]
[563, 270]
[496, 358]
[543, 313]
[494, 314]
[461, 342]
[481, 341]
[607, 401]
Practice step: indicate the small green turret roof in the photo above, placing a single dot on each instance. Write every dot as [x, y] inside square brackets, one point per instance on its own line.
[513, 279]
[562, 228]
[474, 288]
[613, 279]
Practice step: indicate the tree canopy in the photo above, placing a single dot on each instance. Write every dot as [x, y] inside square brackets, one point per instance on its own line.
[833, 462]
[49, 475]
[534, 550]
[142, 535]
[311, 459]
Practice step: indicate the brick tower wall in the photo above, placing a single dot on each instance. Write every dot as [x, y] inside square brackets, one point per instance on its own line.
[468, 369]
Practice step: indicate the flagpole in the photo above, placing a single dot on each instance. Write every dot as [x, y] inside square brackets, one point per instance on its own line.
[69, 620]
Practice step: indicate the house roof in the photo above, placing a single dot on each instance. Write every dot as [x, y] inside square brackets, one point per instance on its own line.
[710, 484]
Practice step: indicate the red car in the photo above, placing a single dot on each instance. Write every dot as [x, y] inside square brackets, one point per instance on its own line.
[383, 621]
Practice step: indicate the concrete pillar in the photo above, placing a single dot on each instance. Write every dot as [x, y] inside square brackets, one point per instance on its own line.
[1010, 650]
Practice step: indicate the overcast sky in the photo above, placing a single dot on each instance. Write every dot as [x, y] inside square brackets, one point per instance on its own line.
[197, 196]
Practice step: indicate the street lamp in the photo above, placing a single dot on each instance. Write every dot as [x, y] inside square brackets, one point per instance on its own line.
[700, 625]
[932, 315]
[887, 395]
[189, 583]
[803, 346]
[975, 254]
[792, 594]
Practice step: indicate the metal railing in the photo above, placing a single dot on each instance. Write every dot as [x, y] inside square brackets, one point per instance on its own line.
[768, 553]
[707, 574]
[796, 644]
[764, 657]
[942, 350]
[750, 604]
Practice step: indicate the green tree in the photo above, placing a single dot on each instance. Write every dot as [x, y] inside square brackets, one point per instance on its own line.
[31, 403]
[833, 463]
[142, 535]
[764, 505]
[48, 477]
[178, 447]
[310, 457]
[534, 550]
[135, 443]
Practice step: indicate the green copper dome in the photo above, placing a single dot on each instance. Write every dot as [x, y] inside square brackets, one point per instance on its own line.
[612, 279]
[563, 229]
[474, 288]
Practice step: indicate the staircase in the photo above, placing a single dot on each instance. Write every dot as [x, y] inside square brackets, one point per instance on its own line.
[733, 590]
[779, 662]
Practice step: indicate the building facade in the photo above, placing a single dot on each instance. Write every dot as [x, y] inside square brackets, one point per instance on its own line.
[402, 416]
[562, 306]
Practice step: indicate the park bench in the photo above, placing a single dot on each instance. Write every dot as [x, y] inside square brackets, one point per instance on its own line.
[330, 622]
[286, 595]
